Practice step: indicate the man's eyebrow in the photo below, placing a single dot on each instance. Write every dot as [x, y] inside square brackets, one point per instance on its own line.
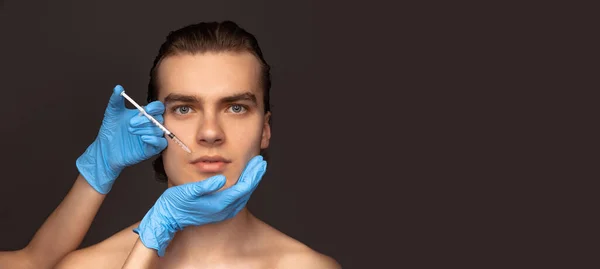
[175, 97]
[245, 96]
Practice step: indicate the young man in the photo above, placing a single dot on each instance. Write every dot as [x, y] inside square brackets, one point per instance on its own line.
[214, 84]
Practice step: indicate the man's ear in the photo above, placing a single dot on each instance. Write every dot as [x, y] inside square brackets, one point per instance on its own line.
[266, 132]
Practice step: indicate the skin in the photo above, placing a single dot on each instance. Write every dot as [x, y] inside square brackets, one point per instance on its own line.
[208, 126]
[236, 131]
[60, 234]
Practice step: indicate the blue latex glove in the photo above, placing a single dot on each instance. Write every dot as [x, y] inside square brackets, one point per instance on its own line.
[197, 203]
[126, 137]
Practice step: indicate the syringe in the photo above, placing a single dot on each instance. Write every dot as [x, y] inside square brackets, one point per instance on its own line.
[153, 120]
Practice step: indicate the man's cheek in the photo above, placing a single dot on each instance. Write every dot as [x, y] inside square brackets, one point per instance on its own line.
[185, 136]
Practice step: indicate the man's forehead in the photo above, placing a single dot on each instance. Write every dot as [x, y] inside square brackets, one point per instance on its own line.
[207, 77]
[208, 68]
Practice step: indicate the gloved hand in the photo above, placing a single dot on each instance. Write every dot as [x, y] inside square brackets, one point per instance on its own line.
[126, 137]
[197, 203]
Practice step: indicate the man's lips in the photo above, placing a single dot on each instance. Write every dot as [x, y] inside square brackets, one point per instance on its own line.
[210, 164]
[210, 167]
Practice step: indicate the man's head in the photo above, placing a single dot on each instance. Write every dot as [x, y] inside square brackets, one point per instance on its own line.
[215, 84]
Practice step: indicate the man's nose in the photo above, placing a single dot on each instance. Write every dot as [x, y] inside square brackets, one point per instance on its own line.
[210, 132]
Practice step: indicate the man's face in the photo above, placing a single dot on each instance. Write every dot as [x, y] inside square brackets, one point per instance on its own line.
[214, 105]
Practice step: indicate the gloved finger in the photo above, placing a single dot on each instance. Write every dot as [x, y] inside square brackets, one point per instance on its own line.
[156, 141]
[155, 108]
[155, 131]
[116, 102]
[238, 205]
[141, 121]
[248, 181]
[161, 144]
[208, 185]
[256, 162]
[254, 176]
[247, 193]
[258, 176]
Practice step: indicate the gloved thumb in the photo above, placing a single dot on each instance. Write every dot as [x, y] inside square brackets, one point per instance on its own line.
[116, 101]
[209, 185]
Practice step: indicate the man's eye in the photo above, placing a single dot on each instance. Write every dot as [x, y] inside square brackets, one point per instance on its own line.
[182, 109]
[237, 109]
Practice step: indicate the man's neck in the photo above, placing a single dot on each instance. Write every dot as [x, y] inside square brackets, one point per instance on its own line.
[216, 239]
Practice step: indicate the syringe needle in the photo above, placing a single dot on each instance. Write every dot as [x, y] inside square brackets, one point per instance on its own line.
[174, 138]
[153, 120]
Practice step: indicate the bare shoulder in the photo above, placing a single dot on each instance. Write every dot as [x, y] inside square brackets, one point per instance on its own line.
[110, 253]
[307, 258]
[288, 252]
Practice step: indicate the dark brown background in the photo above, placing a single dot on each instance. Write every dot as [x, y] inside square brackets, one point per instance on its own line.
[403, 136]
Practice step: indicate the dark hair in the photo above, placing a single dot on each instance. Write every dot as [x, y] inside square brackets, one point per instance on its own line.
[225, 36]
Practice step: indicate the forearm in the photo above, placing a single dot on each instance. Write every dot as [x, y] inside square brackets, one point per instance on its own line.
[65, 228]
[141, 257]
[14, 260]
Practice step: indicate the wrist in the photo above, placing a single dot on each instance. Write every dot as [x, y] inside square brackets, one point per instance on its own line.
[155, 234]
[93, 166]
[141, 257]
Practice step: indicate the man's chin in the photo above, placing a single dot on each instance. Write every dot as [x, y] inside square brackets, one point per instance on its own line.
[196, 178]
[193, 175]
[187, 180]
